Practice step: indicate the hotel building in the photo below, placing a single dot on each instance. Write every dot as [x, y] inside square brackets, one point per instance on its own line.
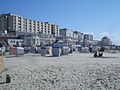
[66, 33]
[16, 25]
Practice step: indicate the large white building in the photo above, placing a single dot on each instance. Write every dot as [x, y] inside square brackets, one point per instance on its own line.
[78, 35]
[17, 25]
[66, 33]
[88, 40]
[88, 37]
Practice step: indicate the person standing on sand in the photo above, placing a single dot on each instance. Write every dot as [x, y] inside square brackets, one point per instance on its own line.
[95, 55]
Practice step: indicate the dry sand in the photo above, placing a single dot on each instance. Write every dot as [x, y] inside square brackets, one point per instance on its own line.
[77, 71]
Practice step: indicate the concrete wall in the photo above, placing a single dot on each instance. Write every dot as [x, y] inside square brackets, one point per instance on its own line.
[15, 42]
[1, 64]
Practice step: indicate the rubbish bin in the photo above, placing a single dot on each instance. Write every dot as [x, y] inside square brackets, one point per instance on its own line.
[43, 51]
[56, 51]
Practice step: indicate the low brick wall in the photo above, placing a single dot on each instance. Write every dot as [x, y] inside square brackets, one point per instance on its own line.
[1, 64]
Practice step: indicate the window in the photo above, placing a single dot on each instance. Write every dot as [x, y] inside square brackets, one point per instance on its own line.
[12, 41]
[21, 41]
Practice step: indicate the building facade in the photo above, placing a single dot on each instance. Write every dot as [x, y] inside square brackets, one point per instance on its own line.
[32, 41]
[88, 40]
[16, 42]
[88, 37]
[16, 25]
[66, 33]
[78, 36]
[95, 42]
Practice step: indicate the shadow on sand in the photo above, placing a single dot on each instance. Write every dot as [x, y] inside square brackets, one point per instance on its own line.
[104, 57]
[2, 82]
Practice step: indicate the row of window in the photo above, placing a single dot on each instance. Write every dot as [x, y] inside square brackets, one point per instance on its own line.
[30, 24]
[16, 41]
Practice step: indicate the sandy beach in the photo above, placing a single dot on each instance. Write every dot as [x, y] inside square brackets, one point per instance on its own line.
[77, 71]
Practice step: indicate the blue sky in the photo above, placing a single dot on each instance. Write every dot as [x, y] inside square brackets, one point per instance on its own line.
[99, 17]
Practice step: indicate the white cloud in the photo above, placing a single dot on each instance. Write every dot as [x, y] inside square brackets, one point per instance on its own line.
[105, 34]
